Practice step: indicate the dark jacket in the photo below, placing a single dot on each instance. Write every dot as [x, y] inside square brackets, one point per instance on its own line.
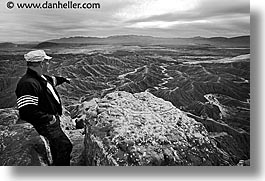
[35, 101]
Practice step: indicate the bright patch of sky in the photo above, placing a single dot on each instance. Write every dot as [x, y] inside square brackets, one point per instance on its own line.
[162, 18]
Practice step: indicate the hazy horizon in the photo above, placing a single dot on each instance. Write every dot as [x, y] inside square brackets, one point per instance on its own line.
[76, 36]
[157, 18]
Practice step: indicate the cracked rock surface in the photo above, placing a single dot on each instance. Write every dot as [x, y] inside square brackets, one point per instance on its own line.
[125, 129]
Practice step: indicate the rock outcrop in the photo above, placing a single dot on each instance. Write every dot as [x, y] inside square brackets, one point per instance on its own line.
[21, 145]
[124, 129]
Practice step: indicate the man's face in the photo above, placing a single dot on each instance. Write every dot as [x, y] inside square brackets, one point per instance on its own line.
[45, 66]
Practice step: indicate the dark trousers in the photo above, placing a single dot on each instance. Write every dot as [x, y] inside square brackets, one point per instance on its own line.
[60, 145]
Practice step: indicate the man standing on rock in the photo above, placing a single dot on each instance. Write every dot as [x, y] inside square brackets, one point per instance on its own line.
[39, 104]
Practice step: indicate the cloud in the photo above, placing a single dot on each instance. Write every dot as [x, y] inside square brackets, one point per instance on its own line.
[165, 24]
[145, 9]
[170, 18]
[207, 17]
[206, 9]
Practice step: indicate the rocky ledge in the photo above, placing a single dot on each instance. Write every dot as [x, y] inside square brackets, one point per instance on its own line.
[124, 129]
[21, 145]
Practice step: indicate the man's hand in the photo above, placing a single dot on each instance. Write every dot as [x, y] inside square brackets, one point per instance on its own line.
[67, 80]
[61, 80]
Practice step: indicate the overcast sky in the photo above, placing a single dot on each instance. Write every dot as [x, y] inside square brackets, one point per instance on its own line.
[163, 18]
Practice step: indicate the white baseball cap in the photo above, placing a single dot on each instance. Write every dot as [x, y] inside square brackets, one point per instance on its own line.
[36, 56]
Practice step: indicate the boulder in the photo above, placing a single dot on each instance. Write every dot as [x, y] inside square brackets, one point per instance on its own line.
[77, 139]
[8, 116]
[75, 136]
[20, 144]
[124, 129]
[66, 120]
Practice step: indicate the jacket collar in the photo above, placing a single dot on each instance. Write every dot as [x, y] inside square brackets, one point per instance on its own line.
[33, 73]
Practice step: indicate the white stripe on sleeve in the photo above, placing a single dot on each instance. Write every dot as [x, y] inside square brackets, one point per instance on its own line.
[27, 100]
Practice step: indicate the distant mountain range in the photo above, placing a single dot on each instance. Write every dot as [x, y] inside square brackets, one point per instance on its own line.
[7, 45]
[240, 41]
